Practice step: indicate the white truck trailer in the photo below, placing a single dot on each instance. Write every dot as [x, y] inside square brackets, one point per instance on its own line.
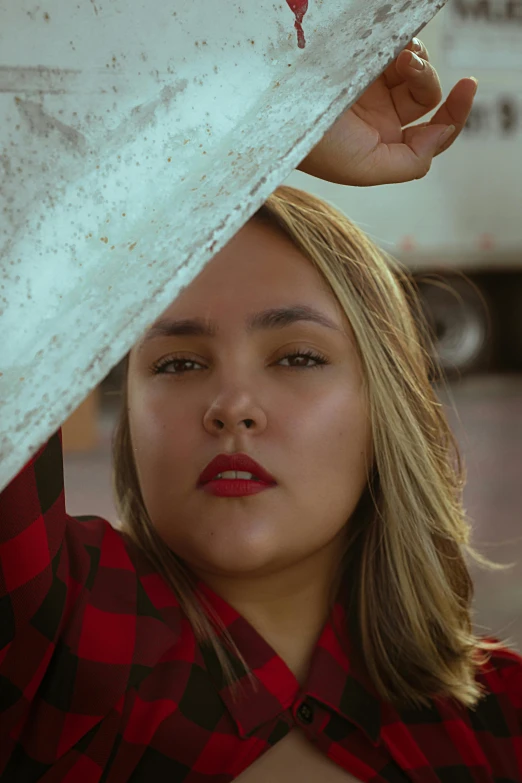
[462, 224]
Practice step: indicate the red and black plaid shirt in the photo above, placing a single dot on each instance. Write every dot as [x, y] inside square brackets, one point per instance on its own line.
[103, 681]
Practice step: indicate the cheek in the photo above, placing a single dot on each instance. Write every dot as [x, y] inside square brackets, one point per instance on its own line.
[162, 437]
[157, 415]
[332, 447]
[336, 423]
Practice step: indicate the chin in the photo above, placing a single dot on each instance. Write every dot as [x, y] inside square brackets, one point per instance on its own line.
[234, 558]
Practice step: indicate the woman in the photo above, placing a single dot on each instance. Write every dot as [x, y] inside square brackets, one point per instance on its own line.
[318, 606]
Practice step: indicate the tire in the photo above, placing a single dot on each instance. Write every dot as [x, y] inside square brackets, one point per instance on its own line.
[459, 316]
[510, 310]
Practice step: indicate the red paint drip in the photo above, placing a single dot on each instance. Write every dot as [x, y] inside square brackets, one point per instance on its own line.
[299, 8]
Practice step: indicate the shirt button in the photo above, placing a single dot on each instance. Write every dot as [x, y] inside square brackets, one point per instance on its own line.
[305, 713]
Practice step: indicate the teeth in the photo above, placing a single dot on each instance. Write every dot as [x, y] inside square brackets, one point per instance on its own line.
[235, 474]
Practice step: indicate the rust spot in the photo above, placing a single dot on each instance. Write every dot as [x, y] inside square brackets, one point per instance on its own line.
[104, 239]
[131, 247]
[169, 159]
[46, 16]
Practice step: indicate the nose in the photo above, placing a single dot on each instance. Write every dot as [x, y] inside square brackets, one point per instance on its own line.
[220, 424]
[234, 413]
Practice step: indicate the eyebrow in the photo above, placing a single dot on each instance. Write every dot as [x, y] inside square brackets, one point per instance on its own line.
[274, 318]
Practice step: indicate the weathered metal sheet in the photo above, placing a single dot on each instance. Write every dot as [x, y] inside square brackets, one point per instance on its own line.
[138, 136]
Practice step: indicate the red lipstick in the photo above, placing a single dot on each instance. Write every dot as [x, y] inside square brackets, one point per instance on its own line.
[235, 487]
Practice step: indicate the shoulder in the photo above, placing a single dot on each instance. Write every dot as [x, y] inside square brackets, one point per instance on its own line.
[97, 531]
[123, 582]
[98, 546]
[503, 673]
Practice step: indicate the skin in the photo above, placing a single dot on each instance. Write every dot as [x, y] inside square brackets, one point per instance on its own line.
[374, 143]
[273, 555]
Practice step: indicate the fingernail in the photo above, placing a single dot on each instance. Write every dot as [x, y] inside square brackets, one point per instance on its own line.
[416, 62]
[417, 45]
[448, 133]
[476, 84]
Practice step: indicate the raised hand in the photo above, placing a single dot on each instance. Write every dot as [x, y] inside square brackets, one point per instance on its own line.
[374, 143]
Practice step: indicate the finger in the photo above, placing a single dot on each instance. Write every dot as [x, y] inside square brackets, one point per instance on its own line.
[391, 76]
[417, 46]
[420, 91]
[456, 109]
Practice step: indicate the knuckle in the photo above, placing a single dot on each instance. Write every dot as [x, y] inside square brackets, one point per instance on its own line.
[424, 168]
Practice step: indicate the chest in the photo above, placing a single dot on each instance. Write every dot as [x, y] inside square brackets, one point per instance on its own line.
[294, 758]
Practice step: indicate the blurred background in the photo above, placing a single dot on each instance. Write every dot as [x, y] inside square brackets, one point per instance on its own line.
[460, 233]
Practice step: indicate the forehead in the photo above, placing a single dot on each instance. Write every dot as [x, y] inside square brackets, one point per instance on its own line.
[259, 267]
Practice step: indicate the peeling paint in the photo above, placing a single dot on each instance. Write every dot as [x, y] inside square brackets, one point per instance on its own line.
[382, 14]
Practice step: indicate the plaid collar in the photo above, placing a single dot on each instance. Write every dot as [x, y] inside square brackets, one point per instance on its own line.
[337, 677]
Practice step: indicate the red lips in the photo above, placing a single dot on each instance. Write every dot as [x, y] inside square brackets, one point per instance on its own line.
[242, 462]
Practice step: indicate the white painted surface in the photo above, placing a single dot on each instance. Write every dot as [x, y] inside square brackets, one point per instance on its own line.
[138, 137]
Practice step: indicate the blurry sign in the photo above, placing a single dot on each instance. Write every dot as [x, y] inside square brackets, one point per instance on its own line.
[484, 33]
[496, 114]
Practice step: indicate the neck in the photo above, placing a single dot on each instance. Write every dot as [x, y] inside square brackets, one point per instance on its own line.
[288, 608]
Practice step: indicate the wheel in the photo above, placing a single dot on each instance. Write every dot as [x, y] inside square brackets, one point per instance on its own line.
[458, 314]
[510, 310]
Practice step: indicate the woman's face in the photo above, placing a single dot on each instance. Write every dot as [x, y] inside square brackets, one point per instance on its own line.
[309, 426]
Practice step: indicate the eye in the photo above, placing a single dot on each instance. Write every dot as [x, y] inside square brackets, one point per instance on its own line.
[159, 367]
[308, 354]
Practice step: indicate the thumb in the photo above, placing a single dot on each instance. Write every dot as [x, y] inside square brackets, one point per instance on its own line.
[426, 141]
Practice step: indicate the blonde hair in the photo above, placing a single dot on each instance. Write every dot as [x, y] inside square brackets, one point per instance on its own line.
[410, 589]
